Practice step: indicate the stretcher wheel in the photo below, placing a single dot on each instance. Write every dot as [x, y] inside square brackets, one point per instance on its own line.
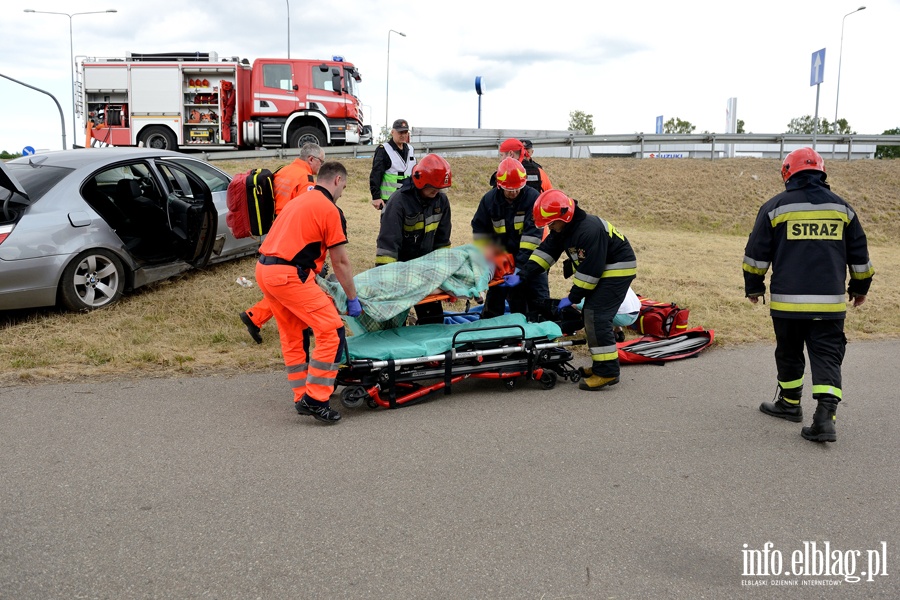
[548, 380]
[354, 396]
[509, 385]
[574, 376]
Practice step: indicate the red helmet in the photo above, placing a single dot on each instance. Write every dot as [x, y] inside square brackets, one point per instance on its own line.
[802, 159]
[512, 145]
[511, 175]
[432, 170]
[553, 205]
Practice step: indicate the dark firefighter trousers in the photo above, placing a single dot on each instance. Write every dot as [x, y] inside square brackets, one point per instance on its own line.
[532, 295]
[825, 343]
[600, 309]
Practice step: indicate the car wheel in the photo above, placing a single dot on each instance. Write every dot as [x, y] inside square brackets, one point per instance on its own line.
[94, 279]
[158, 138]
[307, 134]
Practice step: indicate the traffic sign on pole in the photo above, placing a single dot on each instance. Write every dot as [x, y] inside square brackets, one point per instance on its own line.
[27, 151]
[817, 68]
[816, 76]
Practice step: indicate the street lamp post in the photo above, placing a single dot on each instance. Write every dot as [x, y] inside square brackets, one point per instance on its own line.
[71, 52]
[387, 79]
[288, 2]
[837, 96]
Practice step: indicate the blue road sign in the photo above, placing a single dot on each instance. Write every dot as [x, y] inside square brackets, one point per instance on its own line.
[659, 124]
[479, 85]
[817, 68]
[27, 151]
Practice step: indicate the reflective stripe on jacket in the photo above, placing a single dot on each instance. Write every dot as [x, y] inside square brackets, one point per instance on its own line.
[810, 237]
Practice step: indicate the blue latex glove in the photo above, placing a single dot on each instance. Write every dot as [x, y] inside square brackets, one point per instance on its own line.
[564, 303]
[353, 307]
[511, 280]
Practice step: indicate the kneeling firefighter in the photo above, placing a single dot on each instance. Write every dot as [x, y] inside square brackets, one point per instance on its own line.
[604, 266]
[416, 221]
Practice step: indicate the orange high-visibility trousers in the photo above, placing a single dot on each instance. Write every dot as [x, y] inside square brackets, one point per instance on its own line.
[301, 307]
[260, 313]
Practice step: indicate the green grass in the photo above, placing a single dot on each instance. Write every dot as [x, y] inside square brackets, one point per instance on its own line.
[687, 220]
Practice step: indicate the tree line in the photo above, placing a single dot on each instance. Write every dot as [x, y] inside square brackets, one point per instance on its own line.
[584, 122]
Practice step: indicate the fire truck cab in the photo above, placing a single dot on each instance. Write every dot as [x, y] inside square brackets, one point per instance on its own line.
[190, 100]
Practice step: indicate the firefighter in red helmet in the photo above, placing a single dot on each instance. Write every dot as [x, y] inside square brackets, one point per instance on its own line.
[603, 265]
[505, 219]
[810, 237]
[416, 221]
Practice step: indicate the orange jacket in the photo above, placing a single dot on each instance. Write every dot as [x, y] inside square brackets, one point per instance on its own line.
[305, 231]
[291, 181]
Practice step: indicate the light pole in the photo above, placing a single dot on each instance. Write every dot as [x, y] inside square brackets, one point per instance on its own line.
[387, 79]
[288, 2]
[837, 96]
[71, 52]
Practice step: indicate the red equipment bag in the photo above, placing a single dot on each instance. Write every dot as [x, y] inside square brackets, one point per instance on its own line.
[251, 203]
[654, 350]
[661, 319]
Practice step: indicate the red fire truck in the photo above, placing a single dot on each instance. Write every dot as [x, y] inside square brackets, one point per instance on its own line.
[190, 100]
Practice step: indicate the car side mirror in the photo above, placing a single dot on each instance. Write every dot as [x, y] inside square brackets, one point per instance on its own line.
[296, 87]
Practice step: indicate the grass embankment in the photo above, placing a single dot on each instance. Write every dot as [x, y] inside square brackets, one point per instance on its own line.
[688, 221]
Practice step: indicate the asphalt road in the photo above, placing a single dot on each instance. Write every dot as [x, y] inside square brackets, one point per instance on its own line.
[214, 488]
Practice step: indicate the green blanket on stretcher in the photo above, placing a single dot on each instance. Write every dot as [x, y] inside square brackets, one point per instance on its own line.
[388, 292]
[429, 340]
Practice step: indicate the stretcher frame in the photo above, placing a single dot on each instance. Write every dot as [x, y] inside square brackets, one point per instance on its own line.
[507, 357]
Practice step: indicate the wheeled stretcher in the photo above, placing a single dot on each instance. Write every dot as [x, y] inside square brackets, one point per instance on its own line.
[398, 367]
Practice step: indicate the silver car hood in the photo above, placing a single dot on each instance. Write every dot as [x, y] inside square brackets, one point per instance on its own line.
[10, 183]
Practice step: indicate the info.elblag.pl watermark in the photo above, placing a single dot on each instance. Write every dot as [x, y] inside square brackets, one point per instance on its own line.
[812, 564]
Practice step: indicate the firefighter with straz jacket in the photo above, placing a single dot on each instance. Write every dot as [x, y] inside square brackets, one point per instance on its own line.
[289, 260]
[416, 221]
[505, 218]
[604, 266]
[809, 236]
[392, 164]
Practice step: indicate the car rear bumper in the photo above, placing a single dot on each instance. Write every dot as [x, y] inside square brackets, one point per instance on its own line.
[30, 282]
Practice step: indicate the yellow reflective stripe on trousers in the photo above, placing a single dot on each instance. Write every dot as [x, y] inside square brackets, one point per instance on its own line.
[791, 385]
[828, 389]
[384, 260]
[808, 303]
[604, 353]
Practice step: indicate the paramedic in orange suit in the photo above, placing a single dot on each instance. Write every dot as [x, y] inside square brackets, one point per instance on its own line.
[291, 181]
[292, 254]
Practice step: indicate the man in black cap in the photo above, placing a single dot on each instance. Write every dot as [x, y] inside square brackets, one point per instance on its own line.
[393, 162]
[537, 178]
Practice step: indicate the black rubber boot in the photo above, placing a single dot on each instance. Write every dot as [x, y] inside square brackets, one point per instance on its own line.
[783, 409]
[320, 411]
[823, 423]
[252, 329]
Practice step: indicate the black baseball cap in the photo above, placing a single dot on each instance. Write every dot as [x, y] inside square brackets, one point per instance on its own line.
[400, 125]
[527, 143]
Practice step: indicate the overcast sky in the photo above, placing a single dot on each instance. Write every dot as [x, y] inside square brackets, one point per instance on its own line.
[625, 62]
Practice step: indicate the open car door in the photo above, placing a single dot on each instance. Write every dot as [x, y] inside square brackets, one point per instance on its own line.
[191, 212]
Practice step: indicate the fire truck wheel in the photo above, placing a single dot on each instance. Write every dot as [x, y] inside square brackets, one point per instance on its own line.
[306, 134]
[158, 138]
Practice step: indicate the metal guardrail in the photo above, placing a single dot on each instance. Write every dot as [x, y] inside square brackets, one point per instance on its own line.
[715, 140]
